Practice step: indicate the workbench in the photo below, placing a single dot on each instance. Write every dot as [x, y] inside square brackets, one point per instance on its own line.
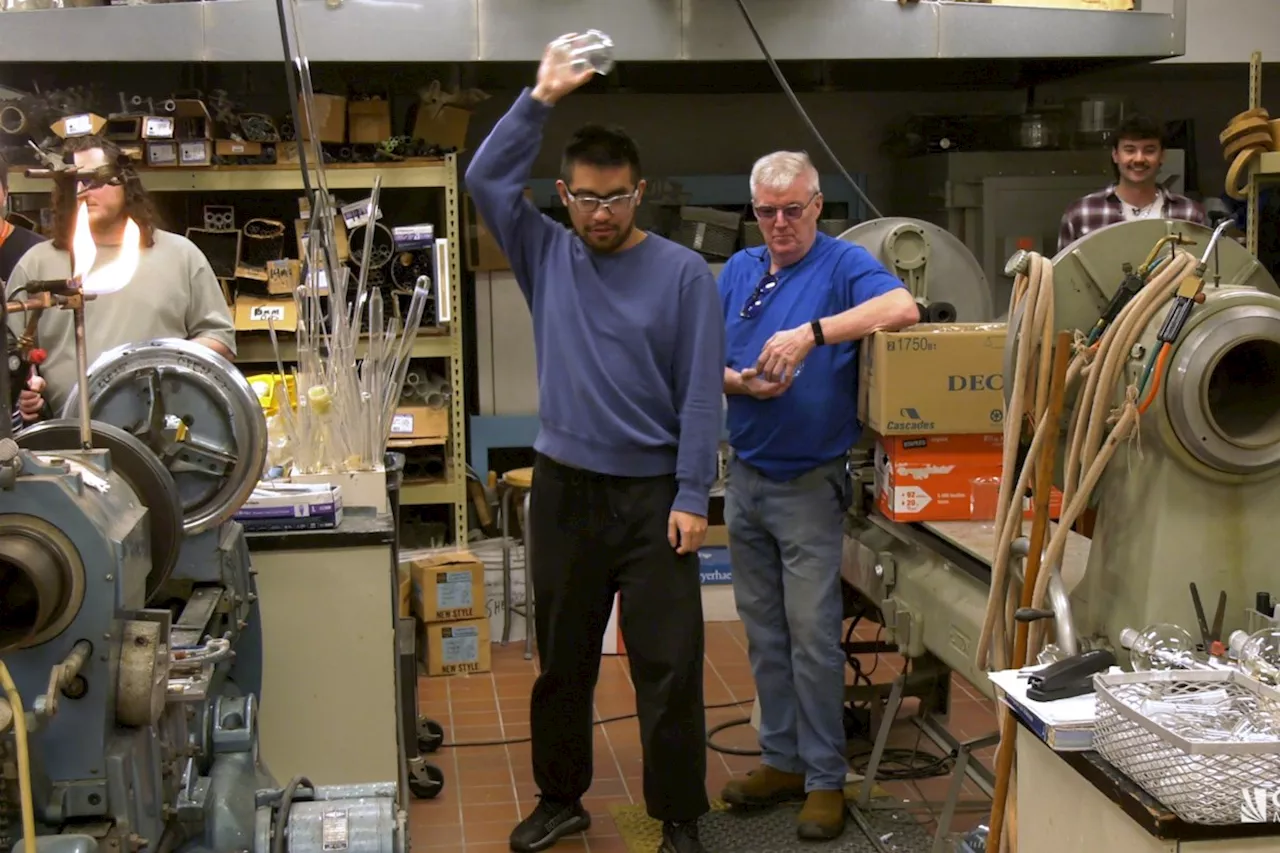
[328, 603]
[1075, 802]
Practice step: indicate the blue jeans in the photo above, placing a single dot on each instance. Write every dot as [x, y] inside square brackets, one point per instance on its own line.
[785, 547]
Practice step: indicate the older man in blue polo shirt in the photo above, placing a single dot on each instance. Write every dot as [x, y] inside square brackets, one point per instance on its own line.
[804, 300]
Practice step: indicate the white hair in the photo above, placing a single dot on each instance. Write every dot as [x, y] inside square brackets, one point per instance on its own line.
[779, 170]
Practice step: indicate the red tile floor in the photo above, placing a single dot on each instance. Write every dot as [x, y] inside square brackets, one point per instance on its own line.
[489, 788]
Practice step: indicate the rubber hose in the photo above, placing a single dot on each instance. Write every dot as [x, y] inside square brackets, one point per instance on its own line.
[1082, 447]
[1093, 412]
[1102, 364]
[1245, 138]
[1032, 290]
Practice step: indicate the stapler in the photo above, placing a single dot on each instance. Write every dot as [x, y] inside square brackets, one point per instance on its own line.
[1070, 677]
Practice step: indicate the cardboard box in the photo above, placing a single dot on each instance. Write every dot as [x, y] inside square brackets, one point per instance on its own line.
[283, 276]
[448, 587]
[162, 154]
[944, 478]
[237, 148]
[404, 609]
[933, 379]
[195, 152]
[84, 124]
[419, 426]
[369, 122]
[191, 119]
[287, 154]
[123, 129]
[446, 128]
[458, 648]
[341, 244]
[256, 314]
[329, 117]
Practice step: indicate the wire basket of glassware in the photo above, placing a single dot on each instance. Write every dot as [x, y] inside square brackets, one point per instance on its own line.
[1206, 744]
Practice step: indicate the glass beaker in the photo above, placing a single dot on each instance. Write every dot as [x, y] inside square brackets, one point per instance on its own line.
[984, 499]
[580, 51]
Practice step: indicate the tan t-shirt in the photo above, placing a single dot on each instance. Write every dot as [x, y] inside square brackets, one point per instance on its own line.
[173, 294]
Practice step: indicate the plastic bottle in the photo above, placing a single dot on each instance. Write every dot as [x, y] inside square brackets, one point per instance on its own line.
[580, 51]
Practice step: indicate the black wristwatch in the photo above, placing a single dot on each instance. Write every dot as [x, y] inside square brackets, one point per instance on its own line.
[818, 340]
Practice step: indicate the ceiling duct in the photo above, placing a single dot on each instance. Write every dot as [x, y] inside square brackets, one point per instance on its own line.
[656, 31]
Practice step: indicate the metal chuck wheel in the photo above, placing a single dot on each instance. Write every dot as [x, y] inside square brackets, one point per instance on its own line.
[140, 468]
[933, 263]
[426, 781]
[195, 411]
[430, 734]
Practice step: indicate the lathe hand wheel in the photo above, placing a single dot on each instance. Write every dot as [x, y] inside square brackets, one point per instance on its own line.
[195, 411]
[141, 468]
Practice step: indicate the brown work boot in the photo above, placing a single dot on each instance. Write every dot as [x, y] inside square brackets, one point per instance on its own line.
[822, 817]
[766, 786]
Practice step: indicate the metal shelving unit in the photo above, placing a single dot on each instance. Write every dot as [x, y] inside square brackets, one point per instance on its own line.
[1267, 169]
[417, 174]
[656, 30]
[255, 349]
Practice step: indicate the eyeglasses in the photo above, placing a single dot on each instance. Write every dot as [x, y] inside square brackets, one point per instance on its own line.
[767, 285]
[103, 176]
[790, 211]
[590, 203]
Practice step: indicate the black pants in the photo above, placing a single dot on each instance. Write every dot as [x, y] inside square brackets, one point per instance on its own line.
[591, 536]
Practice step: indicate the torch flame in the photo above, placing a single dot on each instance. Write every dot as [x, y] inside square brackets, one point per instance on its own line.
[114, 275]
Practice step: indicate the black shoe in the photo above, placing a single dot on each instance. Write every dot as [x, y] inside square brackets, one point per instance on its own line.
[681, 838]
[549, 822]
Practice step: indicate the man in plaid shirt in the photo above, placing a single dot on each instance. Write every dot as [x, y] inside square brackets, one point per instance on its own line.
[1138, 152]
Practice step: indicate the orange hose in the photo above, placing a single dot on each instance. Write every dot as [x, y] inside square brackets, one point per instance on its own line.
[1161, 360]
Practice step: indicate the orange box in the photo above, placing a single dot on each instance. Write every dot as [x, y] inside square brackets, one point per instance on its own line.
[941, 478]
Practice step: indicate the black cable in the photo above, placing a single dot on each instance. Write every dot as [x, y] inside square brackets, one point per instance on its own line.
[729, 750]
[901, 765]
[795, 102]
[734, 704]
[282, 810]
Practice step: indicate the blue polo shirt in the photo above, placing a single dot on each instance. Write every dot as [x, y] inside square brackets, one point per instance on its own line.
[816, 420]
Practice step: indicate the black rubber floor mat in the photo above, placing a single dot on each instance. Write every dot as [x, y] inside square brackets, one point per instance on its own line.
[774, 831]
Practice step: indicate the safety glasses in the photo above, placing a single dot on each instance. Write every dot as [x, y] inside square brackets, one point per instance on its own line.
[590, 204]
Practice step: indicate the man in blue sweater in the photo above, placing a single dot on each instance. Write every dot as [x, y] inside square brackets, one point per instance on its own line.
[805, 299]
[630, 351]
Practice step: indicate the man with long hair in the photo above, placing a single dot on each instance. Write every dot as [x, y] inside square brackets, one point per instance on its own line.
[630, 350]
[173, 293]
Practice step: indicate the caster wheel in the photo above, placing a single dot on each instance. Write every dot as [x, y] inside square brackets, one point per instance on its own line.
[426, 781]
[430, 735]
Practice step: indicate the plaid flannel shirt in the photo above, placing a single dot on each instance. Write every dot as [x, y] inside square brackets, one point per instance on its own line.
[1103, 208]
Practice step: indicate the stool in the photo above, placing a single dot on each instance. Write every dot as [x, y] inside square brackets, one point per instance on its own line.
[516, 480]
